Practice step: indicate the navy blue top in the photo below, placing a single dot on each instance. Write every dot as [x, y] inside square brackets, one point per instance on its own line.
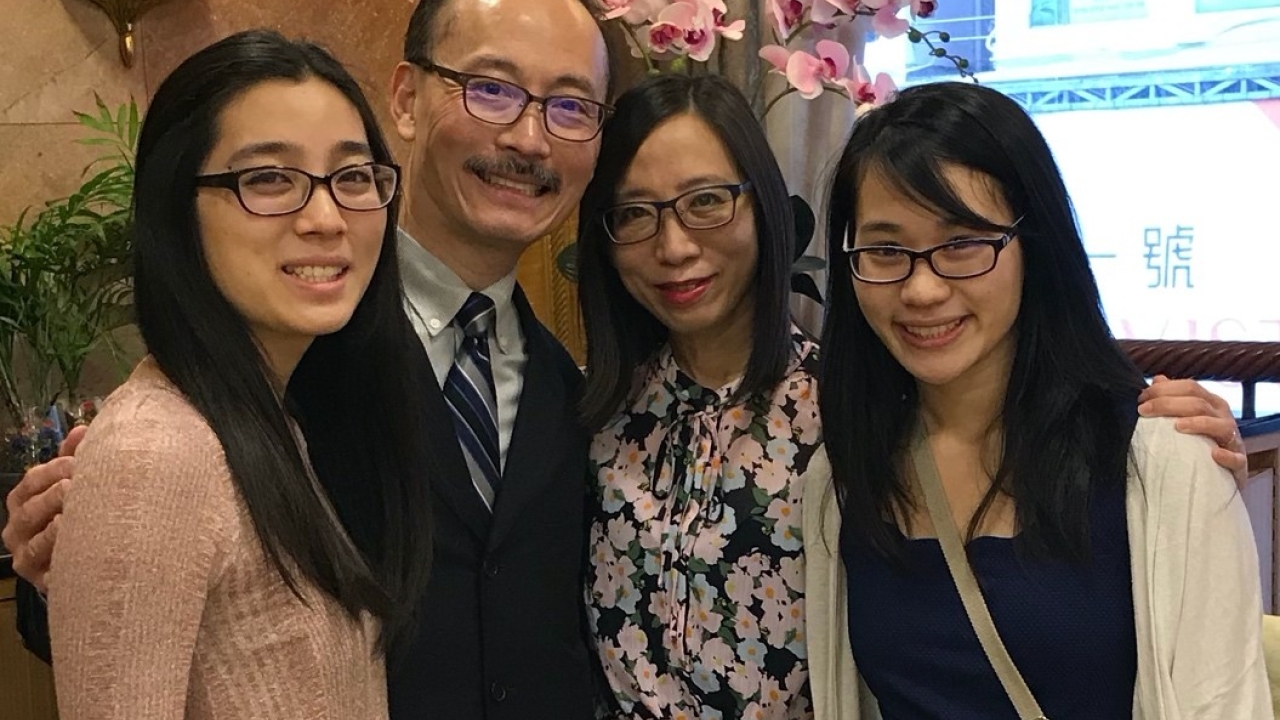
[1069, 628]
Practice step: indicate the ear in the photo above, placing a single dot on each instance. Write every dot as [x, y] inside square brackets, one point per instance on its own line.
[404, 94]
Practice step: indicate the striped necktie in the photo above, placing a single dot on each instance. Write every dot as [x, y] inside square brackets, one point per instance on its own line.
[472, 396]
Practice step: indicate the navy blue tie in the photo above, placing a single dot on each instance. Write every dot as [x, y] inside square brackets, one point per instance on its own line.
[472, 396]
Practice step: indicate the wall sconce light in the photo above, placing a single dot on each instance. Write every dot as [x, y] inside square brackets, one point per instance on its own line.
[123, 14]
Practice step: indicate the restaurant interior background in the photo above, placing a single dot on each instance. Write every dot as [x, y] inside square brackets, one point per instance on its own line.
[1164, 114]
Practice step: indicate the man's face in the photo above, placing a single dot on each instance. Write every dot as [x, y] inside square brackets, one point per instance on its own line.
[499, 185]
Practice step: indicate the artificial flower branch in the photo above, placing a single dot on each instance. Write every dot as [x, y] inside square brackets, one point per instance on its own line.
[679, 32]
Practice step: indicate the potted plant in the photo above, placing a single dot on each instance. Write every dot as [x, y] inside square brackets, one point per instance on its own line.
[64, 287]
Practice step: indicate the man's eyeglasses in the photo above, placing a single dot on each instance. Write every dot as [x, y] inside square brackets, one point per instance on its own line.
[956, 259]
[501, 102]
[284, 190]
[698, 209]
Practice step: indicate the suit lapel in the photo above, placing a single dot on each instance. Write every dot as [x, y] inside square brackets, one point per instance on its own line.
[455, 487]
[542, 431]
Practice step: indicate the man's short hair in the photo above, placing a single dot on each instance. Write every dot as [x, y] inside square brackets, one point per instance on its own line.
[426, 26]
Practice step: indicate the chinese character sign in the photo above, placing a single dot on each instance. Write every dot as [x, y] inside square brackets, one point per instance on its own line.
[1168, 256]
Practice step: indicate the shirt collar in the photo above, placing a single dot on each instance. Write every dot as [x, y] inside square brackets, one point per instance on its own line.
[437, 293]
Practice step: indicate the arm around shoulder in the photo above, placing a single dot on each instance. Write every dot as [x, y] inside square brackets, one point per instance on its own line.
[143, 538]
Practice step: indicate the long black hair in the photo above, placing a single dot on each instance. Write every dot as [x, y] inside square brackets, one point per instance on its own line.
[205, 348]
[621, 333]
[1066, 415]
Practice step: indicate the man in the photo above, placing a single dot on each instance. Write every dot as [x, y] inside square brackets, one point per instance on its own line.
[500, 631]
[501, 102]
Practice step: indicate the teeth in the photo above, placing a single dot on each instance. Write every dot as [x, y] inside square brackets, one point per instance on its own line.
[932, 331]
[529, 189]
[315, 273]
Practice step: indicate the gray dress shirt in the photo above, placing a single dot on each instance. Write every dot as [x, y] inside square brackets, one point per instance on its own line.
[433, 295]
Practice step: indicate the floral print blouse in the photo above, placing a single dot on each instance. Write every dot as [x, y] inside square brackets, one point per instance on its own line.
[696, 577]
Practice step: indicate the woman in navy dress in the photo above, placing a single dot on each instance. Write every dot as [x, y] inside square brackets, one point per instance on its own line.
[1115, 556]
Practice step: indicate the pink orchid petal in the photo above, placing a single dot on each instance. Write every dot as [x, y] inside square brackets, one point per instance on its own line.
[777, 56]
[804, 74]
[887, 24]
[923, 8]
[681, 14]
[663, 35]
[699, 44]
[885, 88]
[823, 11]
[786, 15]
[733, 30]
[850, 86]
[835, 56]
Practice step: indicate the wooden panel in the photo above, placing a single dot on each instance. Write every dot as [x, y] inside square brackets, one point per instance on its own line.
[1261, 495]
[553, 297]
[26, 684]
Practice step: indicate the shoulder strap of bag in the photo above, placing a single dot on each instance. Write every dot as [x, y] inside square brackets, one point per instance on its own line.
[926, 476]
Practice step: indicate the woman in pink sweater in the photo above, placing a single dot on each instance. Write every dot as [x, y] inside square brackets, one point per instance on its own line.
[200, 570]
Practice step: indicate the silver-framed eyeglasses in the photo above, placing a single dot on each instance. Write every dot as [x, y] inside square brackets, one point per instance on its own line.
[502, 102]
[959, 258]
[273, 190]
[698, 209]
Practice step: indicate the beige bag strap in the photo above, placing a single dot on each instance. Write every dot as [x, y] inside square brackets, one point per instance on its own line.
[926, 473]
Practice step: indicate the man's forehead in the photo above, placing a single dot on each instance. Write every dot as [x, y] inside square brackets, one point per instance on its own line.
[552, 43]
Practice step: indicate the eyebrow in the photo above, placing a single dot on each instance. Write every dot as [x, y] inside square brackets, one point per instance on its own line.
[573, 81]
[880, 226]
[344, 148]
[685, 186]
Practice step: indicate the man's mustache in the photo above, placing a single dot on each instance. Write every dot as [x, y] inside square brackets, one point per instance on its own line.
[515, 166]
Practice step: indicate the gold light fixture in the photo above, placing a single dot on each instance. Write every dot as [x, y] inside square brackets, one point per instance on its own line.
[123, 14]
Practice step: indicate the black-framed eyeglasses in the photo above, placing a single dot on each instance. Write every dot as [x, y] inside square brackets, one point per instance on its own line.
[273, 190]
[956, 259]
[698, 209]
[502, 102]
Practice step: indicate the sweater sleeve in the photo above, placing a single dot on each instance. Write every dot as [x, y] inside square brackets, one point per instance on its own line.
[145, 533]
[1207, 576]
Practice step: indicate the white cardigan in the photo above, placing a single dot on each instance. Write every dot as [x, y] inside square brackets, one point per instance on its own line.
[1197, 605]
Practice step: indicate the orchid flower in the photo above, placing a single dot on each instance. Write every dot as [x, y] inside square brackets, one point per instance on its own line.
[787, 15]
[808, 73]
[826, 12]
[867, 94]
[923, 8]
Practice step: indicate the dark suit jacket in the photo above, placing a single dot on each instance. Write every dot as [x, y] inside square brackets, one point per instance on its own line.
[501, 632]
[33, 621]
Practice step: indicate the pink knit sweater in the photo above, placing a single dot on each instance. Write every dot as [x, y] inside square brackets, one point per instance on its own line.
[162, 604]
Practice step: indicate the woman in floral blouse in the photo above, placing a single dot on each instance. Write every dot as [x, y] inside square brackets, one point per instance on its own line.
[701, 393]
[702, 397]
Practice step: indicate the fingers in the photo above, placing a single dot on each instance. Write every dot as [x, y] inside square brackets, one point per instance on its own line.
[72, 441]
[1236, 462]
[34, 503]
[33, 563]
[37, 480]
[1223, 432]
[1186, 407]
[31, 518]
[1163, 388]
[34, 507]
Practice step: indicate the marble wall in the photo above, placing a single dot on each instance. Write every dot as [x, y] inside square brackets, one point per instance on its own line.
[58, 53]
